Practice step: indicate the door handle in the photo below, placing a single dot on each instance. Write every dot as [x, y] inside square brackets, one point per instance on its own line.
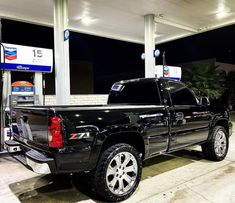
[151, 115]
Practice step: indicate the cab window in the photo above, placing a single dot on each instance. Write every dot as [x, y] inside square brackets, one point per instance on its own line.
[180, 94]
[135, 93]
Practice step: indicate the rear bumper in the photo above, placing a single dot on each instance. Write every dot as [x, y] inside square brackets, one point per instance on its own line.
[230, 125]
[42, 168]
[32, 159]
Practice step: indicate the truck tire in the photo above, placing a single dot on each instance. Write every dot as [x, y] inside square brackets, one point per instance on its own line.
[118, 173]
[217, 147]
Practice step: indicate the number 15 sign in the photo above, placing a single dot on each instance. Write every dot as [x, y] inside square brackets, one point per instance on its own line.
[25, 58]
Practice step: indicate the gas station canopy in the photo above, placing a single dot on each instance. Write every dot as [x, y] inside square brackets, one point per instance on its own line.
[124, 20]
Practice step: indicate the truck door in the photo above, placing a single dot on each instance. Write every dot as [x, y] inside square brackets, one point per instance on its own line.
[189, 120]
[156, 129]
[153, 119]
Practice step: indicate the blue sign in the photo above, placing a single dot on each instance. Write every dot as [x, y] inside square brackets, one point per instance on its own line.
[143, 56]
[22, 89]
[25, 67]
[66, 35]
[156, 53]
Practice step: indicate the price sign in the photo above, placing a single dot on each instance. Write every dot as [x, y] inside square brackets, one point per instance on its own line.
[25, 58]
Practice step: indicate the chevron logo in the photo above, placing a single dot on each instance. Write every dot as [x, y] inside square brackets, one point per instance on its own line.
[10, 53]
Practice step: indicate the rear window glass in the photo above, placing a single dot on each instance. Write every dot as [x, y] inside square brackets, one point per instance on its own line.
[135, 93]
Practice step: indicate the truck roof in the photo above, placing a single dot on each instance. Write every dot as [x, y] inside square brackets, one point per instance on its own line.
[142, 80]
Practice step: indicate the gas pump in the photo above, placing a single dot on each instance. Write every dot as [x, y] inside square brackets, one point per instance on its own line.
[22, 94]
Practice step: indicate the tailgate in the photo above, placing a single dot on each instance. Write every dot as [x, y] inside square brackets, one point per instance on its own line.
[31, 126]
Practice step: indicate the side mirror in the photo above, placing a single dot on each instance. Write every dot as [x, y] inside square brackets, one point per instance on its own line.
[204, 101]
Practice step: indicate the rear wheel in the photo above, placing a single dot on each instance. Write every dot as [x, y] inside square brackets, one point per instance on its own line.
[217, 148]
[118, 172]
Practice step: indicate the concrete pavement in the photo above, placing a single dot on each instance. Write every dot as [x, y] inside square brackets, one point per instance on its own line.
[180, 177]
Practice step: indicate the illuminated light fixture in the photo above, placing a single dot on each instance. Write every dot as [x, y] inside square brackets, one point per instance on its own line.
[222, 11]
[222, 14]
[100, 119]
[157, 35]
[87, 20]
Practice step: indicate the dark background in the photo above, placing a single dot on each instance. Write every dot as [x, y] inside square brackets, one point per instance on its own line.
[96, 62]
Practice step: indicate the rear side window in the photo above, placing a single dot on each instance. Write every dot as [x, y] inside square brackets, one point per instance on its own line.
[135, 93]
[181, 95]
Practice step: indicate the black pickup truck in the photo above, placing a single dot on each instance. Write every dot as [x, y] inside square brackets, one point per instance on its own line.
[143, 118]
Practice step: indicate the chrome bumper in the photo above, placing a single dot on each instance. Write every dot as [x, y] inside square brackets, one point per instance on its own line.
[41, 168]
[32, 159]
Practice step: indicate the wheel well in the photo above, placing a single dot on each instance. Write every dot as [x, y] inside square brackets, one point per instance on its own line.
[223, 123]
[132, 139]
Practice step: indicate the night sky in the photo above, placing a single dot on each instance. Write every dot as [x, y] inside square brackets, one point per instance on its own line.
[219, 44]
[113, 60]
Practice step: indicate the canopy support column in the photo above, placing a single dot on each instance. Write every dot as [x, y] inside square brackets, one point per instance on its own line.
[61, 48]
[149, 45]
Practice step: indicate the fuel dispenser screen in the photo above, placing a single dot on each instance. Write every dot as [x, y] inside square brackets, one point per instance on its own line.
[22, 89]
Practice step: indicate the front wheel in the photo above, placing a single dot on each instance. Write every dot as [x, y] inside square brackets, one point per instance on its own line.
[118, 172]
[217, 148]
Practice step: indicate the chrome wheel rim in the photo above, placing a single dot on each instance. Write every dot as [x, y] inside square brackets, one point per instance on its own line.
[121, 173]
[220, 145]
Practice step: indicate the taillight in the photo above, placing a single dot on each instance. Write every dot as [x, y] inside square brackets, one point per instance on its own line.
[55, 132]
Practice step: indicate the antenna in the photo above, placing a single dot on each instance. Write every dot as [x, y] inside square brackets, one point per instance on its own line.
[165, 68]
[164, 58]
